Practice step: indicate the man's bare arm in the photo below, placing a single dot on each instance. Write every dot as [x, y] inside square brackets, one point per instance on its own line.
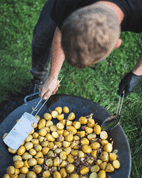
[57, 59]
[138, 68]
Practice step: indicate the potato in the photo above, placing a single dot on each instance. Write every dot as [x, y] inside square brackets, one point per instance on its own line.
[40, 161]
[39, 155]
[56, 161]
[37, 169]
[26, 156]
[58, 109]
[63, 172]
[24, 170]
[76, 124]
[46, 174]
[68, 123]
[70, 158]
[97, 129]
[90, 122]
[28, 146]
[63, 164]
[38, 147]
[47, 116]
[32, 162]
[66, 144]
[88, 130]
[49, 137]
[53, 128]
[17, 171]
[94, 153]
[83, 120]
[58, 150]
[10, 170]
[108, 147]
[101, 174]
[81, 134]
[67, 150]
[98, 162]
[116, 164]
[84, 170]
[103, 165]
[95, 168]
[42, 132]
[17, 158]
[21, 150]
[103, 135]
[71, 116]
[32, 131]
[104, 156]
[18, 164]
[76, 137]
[112, 156]
[81, 154]
[41, 123]
[10, 150]
[54, 114]
[58, 144]
[31, 174]
[74, 176]
[93, 175]
[55, 134]
[60, 126]
[32, 152]
[41, 138]
[45, 150]
[63, 155]
[26, 164]
[37, 117]
[60, 132]
[44, 143]
[91, 137]
[49, 162]
[35, 141]
[56, 174]
[65, 109]
[109, 168]
[70, 168]
[104, 142]
[84, 141]
[60, 117]
[86, 149]
[72, 130]
[95, 145]
[29, 138]
[69, 138]
[50, 154]
[35, 135]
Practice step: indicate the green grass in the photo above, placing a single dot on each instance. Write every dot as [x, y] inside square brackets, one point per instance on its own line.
[17, 22]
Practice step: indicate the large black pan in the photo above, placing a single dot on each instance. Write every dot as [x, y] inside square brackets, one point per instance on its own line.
[81, 107]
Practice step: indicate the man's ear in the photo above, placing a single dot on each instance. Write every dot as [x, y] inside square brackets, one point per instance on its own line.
[119, 41]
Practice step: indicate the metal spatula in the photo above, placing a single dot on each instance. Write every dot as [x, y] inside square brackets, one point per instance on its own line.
[23, 127]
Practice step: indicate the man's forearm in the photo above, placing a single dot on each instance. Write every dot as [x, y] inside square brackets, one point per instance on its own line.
[138, 68]
[57, 54]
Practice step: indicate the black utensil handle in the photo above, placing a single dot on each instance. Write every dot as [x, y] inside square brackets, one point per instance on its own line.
[28, 96]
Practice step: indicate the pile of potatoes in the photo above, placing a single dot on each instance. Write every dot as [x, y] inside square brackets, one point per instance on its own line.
[57, 147]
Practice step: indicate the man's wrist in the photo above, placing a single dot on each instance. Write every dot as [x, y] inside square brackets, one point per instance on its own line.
[137, 72]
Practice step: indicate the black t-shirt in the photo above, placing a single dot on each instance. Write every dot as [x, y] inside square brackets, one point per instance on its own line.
[132, 12]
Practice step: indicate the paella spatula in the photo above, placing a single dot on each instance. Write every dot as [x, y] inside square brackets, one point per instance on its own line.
[23, 127]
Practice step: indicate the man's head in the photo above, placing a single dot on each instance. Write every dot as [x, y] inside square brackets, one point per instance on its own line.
[89, 35]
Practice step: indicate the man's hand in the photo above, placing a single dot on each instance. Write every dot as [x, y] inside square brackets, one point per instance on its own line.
[50, 87]
[128, 83]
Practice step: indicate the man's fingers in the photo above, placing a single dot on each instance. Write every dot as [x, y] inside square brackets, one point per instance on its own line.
[47, 94]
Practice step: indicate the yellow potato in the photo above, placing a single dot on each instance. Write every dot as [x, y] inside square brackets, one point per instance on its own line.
[38, 147]
[35, 135]
[55, 134]
[70, 168]
[26, 164]
[24, 170]
[28, 146]
[91, 137]
[103, 135]
[95, 145]
[98, 162]
[31, 174]
[54, 114]
[39, 155]
[50, 138]
[37, 117]
[95, 168]
[72, 130]
[76, 124]
[84, 170]
[116, 164]
[42, 132]
[81, 154]
[71, 116]
[6, 176]
[83, 120]
[41, 123]
[56, 161]
[29, 138]
[97, 129]
[69, 138]
[53, 128]
[10, 170]
[109, 168]
[60, 117]
[108, 147]
[18, 164]
[94, 153]
[56, 174]
[66, 144]
[101, 174]
[63, 172]
[49, 162]
[104, 142]
[60, 132]
[68, 123]
[26, 156]
[104, 156]
[35, 141]
[46, 174]
[58, 109]
[67, 150]
[40, 161]
[32, 162]
[112, 156]
[17, 171]
[37, 169]
[21, 150]
[90, 122]
[84, 141]
[86, 149]
[60, 126]
[93, 175]
[10, 150]
[88, 130]
[49, 123]
[47, 116]
[45, 150]
[65, 109]
[81, 134]
[17, 158]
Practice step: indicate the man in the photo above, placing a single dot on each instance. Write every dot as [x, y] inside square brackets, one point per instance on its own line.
[83, 32]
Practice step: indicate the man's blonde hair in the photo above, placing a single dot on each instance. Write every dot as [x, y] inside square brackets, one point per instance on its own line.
[89, 34]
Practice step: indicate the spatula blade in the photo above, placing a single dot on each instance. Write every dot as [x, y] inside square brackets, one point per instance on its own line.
[20, 131]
